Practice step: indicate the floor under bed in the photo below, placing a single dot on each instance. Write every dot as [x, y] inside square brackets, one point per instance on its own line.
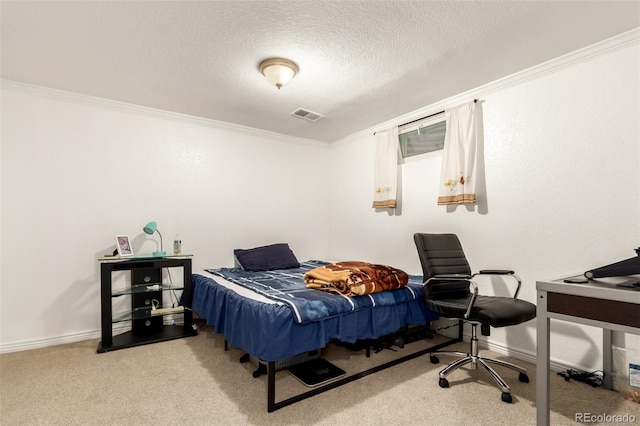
[273, 316]
[284, 388]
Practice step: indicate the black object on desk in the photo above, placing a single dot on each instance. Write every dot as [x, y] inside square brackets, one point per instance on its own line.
[631, 284]
[618, 269]
[576, 280]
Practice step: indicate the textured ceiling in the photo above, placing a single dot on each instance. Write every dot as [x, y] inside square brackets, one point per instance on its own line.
[361, 62]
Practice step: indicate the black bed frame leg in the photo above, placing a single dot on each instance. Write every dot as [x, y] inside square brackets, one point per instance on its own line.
[271, 386]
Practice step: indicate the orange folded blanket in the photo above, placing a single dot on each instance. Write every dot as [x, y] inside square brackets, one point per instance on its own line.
[354, 278]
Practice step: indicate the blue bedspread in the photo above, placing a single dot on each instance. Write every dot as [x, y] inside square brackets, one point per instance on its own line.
[270, 332]
[308, 305]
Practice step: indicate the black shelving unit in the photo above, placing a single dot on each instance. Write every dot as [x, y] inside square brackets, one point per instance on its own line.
[146, 287]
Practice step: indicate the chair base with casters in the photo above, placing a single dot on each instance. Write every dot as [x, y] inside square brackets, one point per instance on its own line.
[450, 291]
[475, 359]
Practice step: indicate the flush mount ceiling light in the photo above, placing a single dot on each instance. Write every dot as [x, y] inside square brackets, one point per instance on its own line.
[278, 71]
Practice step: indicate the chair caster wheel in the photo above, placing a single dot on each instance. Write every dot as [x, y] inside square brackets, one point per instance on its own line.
[523, 378]
[443, 383]
[506, 397]
[256, 374]
[434, 359]
[244, 358]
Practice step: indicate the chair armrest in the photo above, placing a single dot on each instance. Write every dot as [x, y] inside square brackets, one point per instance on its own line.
[496, 272]
[459, 277]
[502, 272]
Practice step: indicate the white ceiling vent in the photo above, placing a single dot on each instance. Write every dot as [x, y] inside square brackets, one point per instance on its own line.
[306, 114]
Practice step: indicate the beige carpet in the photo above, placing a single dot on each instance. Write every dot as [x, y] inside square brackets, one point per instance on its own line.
[194, 381]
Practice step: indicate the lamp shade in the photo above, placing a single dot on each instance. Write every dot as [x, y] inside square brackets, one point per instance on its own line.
[150, 228]
[278, 71]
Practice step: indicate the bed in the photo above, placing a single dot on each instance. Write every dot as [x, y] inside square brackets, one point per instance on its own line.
[271, 315]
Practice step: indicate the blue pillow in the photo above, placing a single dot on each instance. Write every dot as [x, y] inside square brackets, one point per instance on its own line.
[266, 258]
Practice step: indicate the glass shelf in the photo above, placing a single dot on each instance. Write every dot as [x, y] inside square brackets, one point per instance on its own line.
[147, 288]
[139, 313]
[117, 258]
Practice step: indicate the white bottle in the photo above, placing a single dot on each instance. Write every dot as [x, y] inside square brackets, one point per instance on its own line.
[177, 245]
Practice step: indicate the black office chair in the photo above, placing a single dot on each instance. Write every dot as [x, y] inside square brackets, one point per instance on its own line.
[449, 290]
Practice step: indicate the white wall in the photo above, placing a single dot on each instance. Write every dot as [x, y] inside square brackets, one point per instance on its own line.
[561, 157]
[76, 171]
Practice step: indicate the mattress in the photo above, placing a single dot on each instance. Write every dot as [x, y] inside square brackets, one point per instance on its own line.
[270, 330]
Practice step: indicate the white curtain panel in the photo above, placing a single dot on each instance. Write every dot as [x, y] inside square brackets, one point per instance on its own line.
[459, 161]
[385, 169]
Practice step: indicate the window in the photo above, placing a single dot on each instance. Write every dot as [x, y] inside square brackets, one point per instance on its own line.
[422, 136]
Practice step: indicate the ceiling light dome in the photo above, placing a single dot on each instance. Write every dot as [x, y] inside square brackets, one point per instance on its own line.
[278, 71]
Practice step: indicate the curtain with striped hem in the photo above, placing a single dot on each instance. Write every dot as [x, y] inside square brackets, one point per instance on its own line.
[458, 199]
[385, 169]
[459, 160]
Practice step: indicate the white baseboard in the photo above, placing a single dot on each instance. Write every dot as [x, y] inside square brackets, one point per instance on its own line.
[43, 343]
[525, 356]
[26, 345]
[452, 333]
[61, 340]
[555, 366]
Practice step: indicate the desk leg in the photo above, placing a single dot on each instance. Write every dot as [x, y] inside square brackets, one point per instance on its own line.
[607, 355]
[542, 372]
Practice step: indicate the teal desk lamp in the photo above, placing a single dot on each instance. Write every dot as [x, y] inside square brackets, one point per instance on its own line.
[150, 228]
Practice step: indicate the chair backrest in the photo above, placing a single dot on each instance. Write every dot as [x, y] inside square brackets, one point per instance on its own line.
[442, 254]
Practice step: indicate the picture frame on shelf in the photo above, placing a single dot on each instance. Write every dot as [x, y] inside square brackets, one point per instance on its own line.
[124, 246]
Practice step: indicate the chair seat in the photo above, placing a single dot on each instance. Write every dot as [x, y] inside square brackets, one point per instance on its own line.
[491, 310]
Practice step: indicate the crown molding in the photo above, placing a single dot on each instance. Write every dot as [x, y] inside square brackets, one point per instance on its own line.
[621, 41]
[87, 100]
[604, 47]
